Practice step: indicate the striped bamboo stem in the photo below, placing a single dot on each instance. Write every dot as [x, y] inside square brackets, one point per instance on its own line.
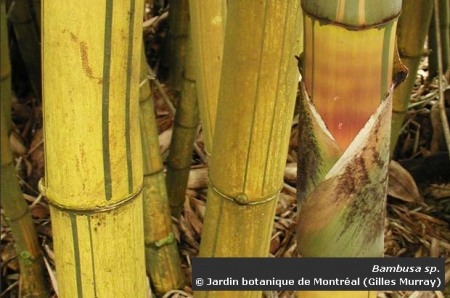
[93, 154]
[254, 114]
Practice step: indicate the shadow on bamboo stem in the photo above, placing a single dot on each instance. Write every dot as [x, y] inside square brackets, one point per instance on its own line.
[207, 30]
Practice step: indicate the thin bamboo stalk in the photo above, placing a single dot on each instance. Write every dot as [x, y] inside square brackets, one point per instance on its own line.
[444, 28]
[27, 36]
[411, 33]
[441, 103]
[17, 213]
[183, 136]
[18, 216]
[5, 68]
[161, 251]
[93, 154]
[178, 16]
[255, 109]
[207, 31]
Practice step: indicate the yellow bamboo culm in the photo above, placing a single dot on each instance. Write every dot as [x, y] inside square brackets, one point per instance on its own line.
[347, 67]
[93, 155]
[207, 31]
[254, 116]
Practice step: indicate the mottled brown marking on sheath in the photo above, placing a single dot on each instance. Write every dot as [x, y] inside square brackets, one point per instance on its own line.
[310, 161]
[361, 208]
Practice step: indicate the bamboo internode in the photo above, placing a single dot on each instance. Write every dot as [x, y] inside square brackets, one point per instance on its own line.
[208, 30]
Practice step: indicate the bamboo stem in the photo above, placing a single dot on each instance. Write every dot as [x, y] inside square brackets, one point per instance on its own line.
[411, 33]
[161, 251]
[178, 19]
[27, 37]
[255, 109]
[5, 68]
[441, 103]
[347, 151]
[93, 154]
[444, 28]
[183, 136]
[17, 212]
[208, 29]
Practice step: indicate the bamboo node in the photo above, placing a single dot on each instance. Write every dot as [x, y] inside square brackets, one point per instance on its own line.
[165, 241]
[93, 209]
[242, 198]
[13, 219]
[25, 254]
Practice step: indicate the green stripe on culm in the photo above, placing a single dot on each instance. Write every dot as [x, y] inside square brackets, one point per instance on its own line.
[105, 99]
[76, 252]
[94, 282]
[128, 88]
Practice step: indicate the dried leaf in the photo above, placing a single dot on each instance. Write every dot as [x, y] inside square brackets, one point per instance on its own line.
[40, 211]
[9, 256]
[198, 178]
[164, 140]
[192, 218]
[199, 207]
[401, 184]
[17, 144]
[290, 173]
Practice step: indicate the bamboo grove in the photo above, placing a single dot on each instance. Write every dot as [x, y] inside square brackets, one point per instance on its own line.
[233, 70]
